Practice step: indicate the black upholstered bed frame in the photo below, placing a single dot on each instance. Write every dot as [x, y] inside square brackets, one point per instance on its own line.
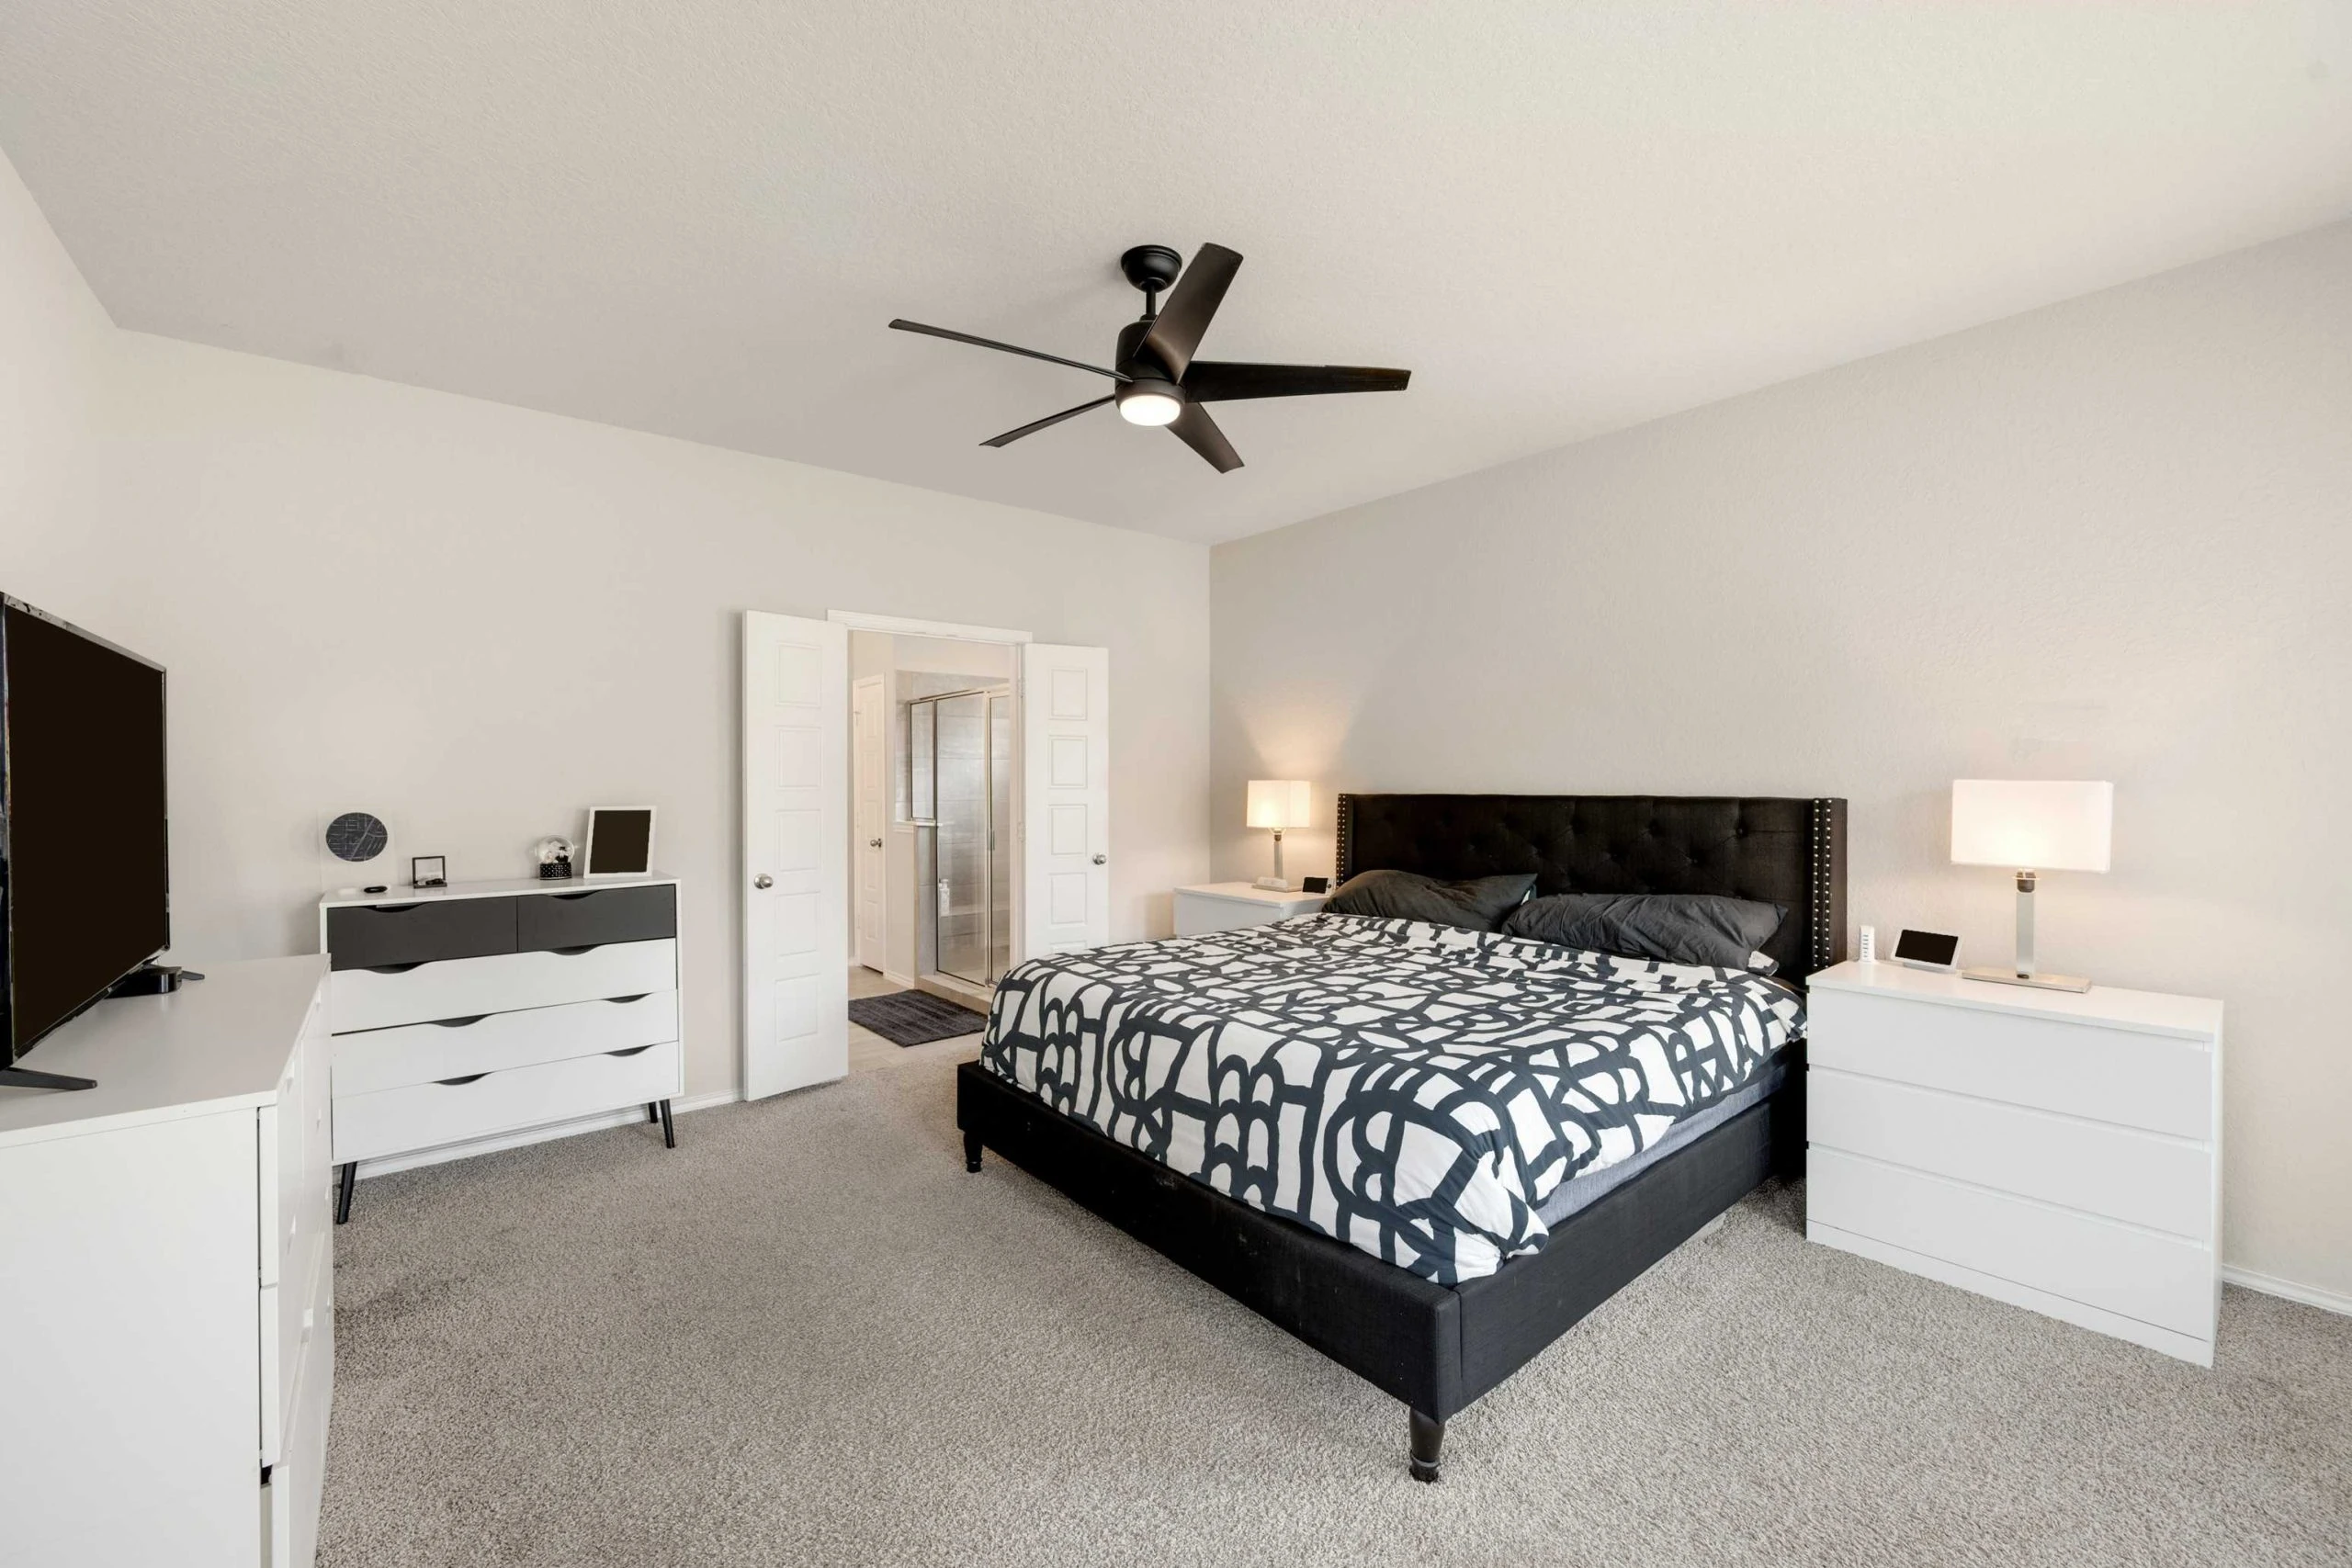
[1438, 1348]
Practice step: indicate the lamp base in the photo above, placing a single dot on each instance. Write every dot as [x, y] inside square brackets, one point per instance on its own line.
[2075, 982]
[1274, 884]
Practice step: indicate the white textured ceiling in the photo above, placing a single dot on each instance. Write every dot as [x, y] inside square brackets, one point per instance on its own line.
[695, 216]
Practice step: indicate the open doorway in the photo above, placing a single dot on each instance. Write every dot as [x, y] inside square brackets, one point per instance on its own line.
[933, 733]
[828, 749]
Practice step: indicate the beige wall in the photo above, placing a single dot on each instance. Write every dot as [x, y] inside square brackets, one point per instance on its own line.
[2109, 539]
[479, 621]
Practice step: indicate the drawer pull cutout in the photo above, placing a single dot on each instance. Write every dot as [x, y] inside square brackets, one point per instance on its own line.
[574, 951]
[630, 1052]
[624, 1001]
[395, 968]
[460, 1083]
[573, 897]
[459, 1022]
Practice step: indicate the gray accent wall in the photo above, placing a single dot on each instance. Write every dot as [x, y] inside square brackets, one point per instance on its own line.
[2111, 538]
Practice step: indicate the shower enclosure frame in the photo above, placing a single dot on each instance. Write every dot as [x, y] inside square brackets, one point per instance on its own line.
[999, 753]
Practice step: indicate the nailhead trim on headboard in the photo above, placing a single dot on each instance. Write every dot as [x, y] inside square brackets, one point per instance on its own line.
[1824, 869]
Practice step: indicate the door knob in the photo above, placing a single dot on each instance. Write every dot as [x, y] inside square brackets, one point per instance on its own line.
[1100, 860]
[764, 881]
[873, 843]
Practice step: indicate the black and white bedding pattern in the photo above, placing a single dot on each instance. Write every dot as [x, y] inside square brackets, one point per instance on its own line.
[1415, 1091]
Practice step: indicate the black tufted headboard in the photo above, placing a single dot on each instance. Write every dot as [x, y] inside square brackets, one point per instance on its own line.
[1781, 851]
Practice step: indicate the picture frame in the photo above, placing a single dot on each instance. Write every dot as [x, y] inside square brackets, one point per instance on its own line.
[620, 842]
[428, 871]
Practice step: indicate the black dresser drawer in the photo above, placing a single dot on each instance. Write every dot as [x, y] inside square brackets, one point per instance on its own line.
[369, 936]
[594, 916]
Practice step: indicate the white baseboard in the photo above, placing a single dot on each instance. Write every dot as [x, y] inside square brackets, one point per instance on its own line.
[632, 1115]
[904, 982]
[2326, 1300]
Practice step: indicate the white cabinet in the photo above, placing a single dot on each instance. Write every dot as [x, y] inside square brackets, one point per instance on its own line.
[2054, 1151]
[1223, 905]
[489, 1008]
[167, 1280]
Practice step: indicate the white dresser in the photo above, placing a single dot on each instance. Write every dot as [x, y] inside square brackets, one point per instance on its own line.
[167, 1280]
[2054, 1151]
[487, 1008]
[1221, 906]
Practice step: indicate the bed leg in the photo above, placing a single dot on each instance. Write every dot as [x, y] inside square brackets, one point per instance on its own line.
[1428, 1436]
[971, 1151]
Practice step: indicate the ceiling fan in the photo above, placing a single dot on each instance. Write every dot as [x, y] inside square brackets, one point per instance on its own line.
[1159, 381]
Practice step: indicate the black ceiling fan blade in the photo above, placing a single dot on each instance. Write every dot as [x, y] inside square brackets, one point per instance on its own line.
[906, 326]
[1035, 425]
[1195, 429]
[1213, 381]
[1191, 304]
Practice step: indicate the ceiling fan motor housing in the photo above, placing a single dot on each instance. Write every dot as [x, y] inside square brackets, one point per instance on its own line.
[1151, 268]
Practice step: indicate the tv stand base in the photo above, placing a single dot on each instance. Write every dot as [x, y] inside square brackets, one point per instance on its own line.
[152, 980]
[26, 1077]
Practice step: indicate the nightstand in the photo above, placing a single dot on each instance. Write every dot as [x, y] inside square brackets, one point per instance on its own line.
[1221, 906]
[2054, 1151]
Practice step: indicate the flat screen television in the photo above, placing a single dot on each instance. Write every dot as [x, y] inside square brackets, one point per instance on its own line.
[85, 861]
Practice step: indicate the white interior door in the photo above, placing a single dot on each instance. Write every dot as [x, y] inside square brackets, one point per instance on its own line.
[796, 879]
[869, 808]
[1066, 797]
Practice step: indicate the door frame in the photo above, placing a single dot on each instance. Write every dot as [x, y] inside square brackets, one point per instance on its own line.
[953, 631]
[877, 689]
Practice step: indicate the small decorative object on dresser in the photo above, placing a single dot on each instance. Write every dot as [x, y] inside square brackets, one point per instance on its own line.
[2055, 1151]
[2031, 825]
[554, 856]
[487, 1008]
[1925, 949]
[1223, 905]
[620, 840]
[428, 871]
[1278, 804]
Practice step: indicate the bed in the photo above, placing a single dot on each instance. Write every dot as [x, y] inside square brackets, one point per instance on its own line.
[1405, 1148]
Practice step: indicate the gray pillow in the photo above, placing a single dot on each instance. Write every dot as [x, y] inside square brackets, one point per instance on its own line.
[1474, 905]
[1673, 928]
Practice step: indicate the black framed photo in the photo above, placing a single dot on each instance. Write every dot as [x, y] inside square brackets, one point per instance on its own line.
[428, 871]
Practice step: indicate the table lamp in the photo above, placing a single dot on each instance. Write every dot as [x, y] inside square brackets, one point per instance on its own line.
[2031, 825]
[1278, 804]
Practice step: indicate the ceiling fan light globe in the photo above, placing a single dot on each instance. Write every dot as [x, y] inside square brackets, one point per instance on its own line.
[1150, 403]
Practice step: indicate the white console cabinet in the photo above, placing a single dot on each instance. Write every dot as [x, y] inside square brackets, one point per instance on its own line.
[487, 1009]
[167, 1280]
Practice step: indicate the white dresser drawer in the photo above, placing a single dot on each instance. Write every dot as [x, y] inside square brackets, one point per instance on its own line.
[422, 1116]
[2152, 1279]
[426, 1053]
[461, 988]
[2164, 1183]
[2153, 1081]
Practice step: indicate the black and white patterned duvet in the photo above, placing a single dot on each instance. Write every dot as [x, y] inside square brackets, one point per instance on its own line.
[1415, 1091]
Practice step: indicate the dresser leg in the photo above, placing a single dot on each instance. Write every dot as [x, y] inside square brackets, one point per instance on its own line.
[344, 1182]
[653, 1110]
[669, 1128]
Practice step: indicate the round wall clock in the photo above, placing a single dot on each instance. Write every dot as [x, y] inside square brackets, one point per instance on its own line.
[357, 836]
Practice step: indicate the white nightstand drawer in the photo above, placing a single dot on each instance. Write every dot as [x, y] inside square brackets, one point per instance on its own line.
[2152, 1279]
[397, 1120]
[2107, 1075]
[425, 1053]
[460, 988]
[2115, 1172]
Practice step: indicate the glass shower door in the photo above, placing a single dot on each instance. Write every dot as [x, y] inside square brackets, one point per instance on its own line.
[960, 773]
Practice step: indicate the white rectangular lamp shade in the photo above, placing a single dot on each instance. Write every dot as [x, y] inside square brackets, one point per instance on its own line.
[2032, 824]
[1277, 803]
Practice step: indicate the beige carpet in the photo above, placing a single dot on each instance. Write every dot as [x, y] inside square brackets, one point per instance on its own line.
[808, 1336]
